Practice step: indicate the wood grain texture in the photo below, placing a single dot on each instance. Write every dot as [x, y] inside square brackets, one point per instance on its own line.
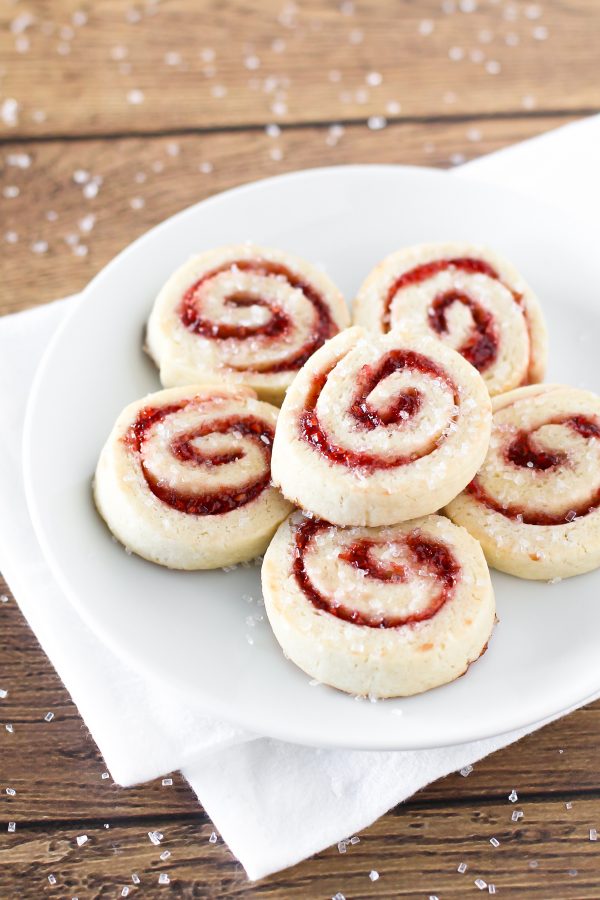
[210, 64]
[167, 174]
[415, 850]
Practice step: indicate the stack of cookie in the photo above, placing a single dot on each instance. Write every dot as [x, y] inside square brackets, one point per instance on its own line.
[430, 402]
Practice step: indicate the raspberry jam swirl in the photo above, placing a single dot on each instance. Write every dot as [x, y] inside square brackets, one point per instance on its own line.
[400, 413]
[256, 283]
[184, 449]
[481, 345]
[418, 556]
[564, 479]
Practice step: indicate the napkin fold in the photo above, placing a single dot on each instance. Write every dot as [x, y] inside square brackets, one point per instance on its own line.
[274, 803]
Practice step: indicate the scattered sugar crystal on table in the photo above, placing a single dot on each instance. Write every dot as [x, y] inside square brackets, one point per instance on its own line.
[51, 879]
[376, 123]
[165, 854]
[213, 838]
[374, 79]
[135, 97]
[568, 805]
[155, 837]
[593, 834]
[81, 176]
[125, 892]
[341, 846]
[513, 796]
[462, 868]
[466, 770]
[48, 717]
[456, 54]
[480, 883]
[167, 782]
[9, 112]
[86, 223]
[516, 815]
[338, 896]
[135, 878]
[373, 875]
[82, 839]
[163, 878]
[491, 888]
[18, 160]
[10, 791]
[3, 693]
[10, 727]
[12, 826]
[494, 842]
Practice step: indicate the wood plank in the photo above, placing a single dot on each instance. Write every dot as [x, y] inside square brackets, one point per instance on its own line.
[69, 785]
[416, 853]
[277, 60]
[166, 175]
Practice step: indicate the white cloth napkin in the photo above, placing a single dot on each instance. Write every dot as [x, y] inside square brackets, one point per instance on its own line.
[274, 803]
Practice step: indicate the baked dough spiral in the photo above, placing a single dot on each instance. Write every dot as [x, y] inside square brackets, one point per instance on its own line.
[243, 314]
[467, 296]
[184, 479]
[380, 429]
[385, 612]
[535, 503]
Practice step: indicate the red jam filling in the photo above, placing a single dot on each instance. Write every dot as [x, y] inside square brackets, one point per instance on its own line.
[400, 411]
[427, 270]
[481, 347]
[208, 503]
[522, 452]
[278, 323]
[427, 553]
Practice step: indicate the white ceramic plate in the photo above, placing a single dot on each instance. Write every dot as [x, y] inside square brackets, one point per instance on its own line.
[189, 629]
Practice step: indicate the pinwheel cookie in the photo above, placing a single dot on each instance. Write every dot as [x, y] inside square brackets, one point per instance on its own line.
[380, 429]
[386, 612]
[184, 478]
[535, 503]
[243, 314]
[468, 297]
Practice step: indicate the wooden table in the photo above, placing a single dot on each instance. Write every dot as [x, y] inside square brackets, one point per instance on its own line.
[114, 116]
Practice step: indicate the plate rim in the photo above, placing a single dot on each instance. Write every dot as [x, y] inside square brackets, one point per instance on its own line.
[289, 733]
